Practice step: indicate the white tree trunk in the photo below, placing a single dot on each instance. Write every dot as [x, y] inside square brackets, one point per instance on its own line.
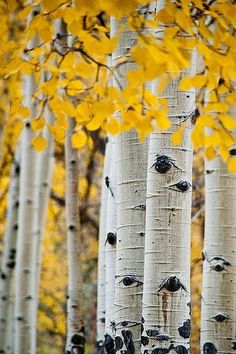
[219, 267]
[75, 330]
[166, 293]
[24, 340]
[131, 191]
[8, 260]
[110, 242]
[101, 279]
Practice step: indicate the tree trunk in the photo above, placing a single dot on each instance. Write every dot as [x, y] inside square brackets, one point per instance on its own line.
[8, 260]
[101, 313]
[75, 330]
[131, 190]
[218, 292]
[111, 248]
[25, 271]
[166, 293]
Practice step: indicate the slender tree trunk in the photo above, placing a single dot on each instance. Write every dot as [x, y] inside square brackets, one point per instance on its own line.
[8, 260]
[219, 267]
[24, 341]
[111, 248]
[75, 330]
[166, 293]
[131, 191]
[101, 313]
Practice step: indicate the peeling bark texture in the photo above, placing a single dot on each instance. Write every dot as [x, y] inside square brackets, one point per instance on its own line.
[24, 338]
[75, 324]
[131, 190]
[166, 292]
[8, 261]
[101, 307]
[219, 267]
[111, 245]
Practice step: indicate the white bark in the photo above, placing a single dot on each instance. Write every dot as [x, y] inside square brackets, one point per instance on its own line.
[75, 330]
[24, 340]
[111, 247]
[8, 260]
[219, 267]
[101, 252]
[166, 293]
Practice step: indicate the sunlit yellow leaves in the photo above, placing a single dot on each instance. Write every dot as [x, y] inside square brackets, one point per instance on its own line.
[113, 126]
[184, 21]
[216, 107]
[79, 139]
[58, 132]
[38, 124]
[39, 143]
[178, 135]
[74, 87]
[232, 164]
[227, 121]
[210, 153]
[196, 81]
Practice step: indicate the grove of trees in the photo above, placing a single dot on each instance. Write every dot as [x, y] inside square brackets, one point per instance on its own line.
[108, 109]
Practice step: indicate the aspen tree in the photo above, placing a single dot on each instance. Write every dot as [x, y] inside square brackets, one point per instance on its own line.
[75, 330]
[8, 260]
[166, 293]
[111, 248]
[131, 189]
[101, 279]
[24, 336]
[219, 267]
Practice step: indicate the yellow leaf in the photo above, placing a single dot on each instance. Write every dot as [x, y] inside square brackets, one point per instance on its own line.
[178, 135]
[216, 107]
[210, 153]
[113, 126]
[79, 139]
[162, 120]
[227, 121]
[232, 164]
[74, 87]
[38, 123]
[39, 143]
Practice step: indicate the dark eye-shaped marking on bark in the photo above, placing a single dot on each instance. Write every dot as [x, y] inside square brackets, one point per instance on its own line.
[185, 330]
[109, 344]
[111, 238]
[172, 284]
[163, 337]
[144, 340]
[183, 186]
[107, 182]
[77, 339]
[142, 320]
[220, 317]
[194, 116]
[162, 350]
[3, 276]
[118, 343]
[209, 348]
[102, 319]
[152, 333]
[130, 280]
[234, 345]
[163, 163]
[140, 207]
[128, 340]
[180, 349]
[232, 152]
[208, 172]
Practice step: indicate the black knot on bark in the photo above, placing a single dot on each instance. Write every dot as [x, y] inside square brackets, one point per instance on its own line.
[130, 280]
[71, 227]
[209, 348]
[27, 124]
[220, 317]
[183, 186]
[172, 284]
[232, 152]
[152, 332]
[118, 343]
[3, 276]
[109, 344]
[180, 349]
[185, 329]
[162, 163]
[15, 227]
[77, 339]
[11, 264]
[111, 238]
